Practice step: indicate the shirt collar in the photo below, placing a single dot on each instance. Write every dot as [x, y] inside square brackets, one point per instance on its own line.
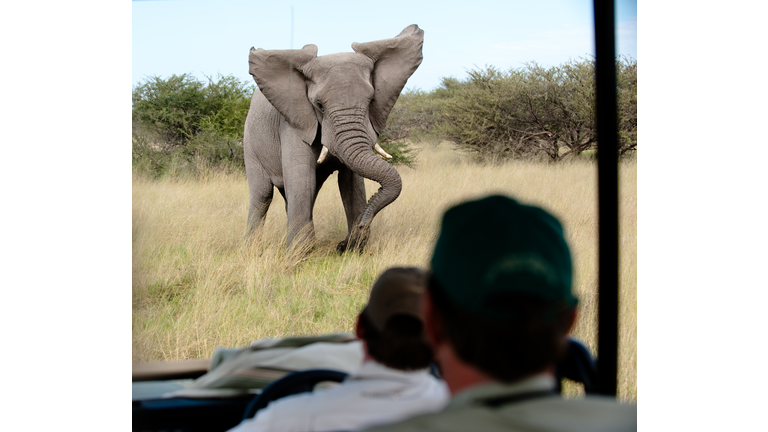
[372, 369]
[471, 395]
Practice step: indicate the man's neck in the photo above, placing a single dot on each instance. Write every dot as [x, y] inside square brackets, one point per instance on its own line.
[366, 355]
[457, 374]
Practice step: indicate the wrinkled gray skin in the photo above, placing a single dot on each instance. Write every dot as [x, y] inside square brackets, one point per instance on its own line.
[340, 101]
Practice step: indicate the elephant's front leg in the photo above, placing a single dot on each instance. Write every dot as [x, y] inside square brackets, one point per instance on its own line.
[260, 192]
[352, 190]
[299, 164]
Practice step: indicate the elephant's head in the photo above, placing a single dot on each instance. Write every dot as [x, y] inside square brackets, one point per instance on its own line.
[349, 95]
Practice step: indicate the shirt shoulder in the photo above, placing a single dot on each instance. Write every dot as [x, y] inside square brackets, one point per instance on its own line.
[555, 414]
[458, 420]
[592, 413]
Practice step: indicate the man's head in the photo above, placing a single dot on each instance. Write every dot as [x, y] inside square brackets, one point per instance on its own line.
[500, 287]
[391, 325]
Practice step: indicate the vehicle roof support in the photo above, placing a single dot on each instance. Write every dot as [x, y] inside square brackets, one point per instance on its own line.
[608, 196]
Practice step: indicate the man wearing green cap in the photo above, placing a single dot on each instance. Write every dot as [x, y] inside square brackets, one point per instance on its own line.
[497, 311]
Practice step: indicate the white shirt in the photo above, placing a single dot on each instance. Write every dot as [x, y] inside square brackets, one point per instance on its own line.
[373, 395]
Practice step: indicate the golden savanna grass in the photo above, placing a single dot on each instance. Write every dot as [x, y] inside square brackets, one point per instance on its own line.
[197, 285]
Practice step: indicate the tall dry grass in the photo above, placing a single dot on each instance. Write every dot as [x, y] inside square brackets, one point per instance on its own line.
[197, 285]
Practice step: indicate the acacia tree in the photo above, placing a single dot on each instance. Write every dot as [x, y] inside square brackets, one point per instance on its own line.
[535, 111]
[626, 77]
[481, 116]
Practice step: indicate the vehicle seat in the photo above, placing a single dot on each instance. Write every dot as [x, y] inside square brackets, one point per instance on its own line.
[294, 383]
[577, 365]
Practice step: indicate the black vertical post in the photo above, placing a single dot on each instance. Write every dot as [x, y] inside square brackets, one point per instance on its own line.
[608, 197]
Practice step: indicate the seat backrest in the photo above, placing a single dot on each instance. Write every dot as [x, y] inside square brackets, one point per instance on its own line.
[294, 383]
[577, 365]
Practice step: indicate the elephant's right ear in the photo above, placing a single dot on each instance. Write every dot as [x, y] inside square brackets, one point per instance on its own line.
[279, 77]
[395, 60]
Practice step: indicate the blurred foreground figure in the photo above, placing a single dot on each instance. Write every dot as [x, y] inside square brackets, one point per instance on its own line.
[393, 382]
[497, 311]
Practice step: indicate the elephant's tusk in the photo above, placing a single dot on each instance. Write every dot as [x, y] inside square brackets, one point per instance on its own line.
[381, 151]
[323, 154]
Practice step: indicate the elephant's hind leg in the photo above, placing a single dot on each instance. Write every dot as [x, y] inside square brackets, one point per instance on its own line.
[261, 189]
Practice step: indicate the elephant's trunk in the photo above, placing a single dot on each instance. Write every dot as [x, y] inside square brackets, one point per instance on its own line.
[353, 145]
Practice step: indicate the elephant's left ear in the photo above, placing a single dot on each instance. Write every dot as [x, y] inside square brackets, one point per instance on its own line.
[395, 60]
[279, 76]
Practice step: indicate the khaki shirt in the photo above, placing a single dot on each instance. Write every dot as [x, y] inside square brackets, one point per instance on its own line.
[467, 412]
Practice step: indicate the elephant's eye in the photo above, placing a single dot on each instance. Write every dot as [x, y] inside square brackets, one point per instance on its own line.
[319, 105]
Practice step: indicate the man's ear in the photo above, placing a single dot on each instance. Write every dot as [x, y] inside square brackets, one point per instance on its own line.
[433, 325]
[359, 332]
[570, 320]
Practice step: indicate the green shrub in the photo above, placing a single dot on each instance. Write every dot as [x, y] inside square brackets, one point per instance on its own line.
[525, 113]
[626, 81]
[181, 123]
[413, 117]
[217, 148]
[172, 108]
[532, 112]
[402, 153]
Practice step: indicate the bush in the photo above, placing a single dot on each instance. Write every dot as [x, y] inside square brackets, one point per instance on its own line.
[626, 81]
[414, 117]
[525, 113]
[217, 148]
[181, 121]
[531, 112]
[402, 153]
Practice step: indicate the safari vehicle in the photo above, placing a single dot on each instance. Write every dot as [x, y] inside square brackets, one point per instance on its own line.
[216, 394]
[235, 384]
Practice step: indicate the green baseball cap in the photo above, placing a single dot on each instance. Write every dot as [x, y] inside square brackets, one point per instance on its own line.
[496, 245]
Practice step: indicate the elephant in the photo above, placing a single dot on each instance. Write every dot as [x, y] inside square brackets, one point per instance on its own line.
[311, 116]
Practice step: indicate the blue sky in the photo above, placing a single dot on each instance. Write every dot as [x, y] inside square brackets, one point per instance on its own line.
[211, 37]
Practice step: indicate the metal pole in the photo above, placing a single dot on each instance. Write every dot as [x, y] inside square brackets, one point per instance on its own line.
[608, 196]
